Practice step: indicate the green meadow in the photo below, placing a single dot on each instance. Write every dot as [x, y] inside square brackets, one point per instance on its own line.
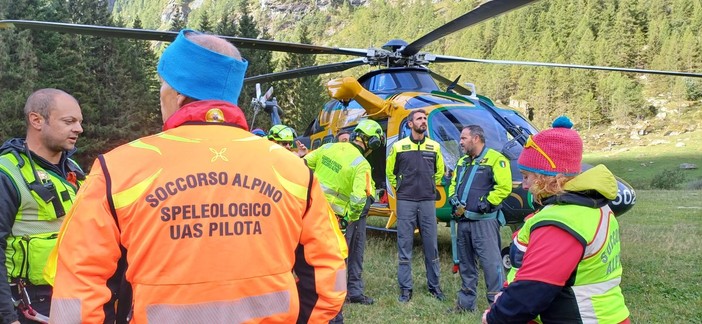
[641, 165]
[661, 256]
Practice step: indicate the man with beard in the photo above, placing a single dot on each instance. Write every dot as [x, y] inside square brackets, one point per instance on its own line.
[481, 181]
[38, 182]
[414, 168]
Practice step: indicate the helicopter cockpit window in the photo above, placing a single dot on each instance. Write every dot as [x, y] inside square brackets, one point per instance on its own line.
[352, 114]
[445, 127]
[326, 116]
[394, 81]
[385, 82]
[517, 119]
[404, 130]
[429, 100]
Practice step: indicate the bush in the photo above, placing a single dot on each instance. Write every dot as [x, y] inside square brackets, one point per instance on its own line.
[693, 90]
[668, 179]
[695, 185]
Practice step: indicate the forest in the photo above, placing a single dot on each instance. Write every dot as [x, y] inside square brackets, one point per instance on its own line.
[117, 86]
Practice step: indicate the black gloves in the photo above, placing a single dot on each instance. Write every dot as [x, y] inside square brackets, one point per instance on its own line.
[485, 207]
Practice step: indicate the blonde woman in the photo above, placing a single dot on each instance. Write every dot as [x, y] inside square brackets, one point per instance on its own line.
[568, 252]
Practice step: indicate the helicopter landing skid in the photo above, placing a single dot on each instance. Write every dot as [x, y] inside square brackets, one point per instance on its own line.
[381, 229]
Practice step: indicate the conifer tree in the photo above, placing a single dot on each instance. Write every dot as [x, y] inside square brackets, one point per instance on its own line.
[18, 75]
[260, 62]
[177, 20]
[302, 98]
[226, 26]
[205, 24]
[18, 67]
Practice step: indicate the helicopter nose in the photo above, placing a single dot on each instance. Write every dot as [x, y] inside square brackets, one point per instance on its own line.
[626, 198]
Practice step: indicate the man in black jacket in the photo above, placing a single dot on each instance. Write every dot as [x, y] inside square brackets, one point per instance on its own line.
[414, 168]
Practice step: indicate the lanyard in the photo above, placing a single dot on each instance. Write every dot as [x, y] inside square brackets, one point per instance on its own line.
[473, 170]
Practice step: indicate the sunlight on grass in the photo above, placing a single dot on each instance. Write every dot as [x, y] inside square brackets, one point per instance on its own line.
[638, 165]
[661, 257]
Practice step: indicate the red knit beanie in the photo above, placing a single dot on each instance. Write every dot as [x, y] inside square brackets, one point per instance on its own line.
[553, 151]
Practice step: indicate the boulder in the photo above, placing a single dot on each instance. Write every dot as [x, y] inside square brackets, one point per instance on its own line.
[688, 166]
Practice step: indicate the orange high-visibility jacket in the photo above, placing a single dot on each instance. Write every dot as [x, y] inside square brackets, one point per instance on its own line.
[213, 221]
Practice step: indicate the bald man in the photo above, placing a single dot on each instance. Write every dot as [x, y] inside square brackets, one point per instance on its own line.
[198, 228]
[38, 181]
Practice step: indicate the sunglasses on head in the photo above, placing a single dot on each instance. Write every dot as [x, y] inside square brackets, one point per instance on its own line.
[531, 144]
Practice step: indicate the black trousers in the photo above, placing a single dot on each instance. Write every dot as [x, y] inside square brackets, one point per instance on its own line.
[40, 297]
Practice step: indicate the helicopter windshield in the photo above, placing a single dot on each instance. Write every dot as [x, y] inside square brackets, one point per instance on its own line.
[391, 81]
[429, 100]
[445, 127]
[353, 113]
[517, 119]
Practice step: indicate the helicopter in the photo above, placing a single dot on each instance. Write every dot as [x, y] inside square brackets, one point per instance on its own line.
[401, 83]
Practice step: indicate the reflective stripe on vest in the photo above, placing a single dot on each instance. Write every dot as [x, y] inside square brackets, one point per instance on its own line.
[229, 311]
[357, 161]
[340, 280]
[599, 272]
[601, 234]
[332, 197]
[65, 310]
[584, 294]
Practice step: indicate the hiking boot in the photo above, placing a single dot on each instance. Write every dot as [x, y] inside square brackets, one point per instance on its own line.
[362, 299]
[338, 319]
[437, 294]
[405, 295]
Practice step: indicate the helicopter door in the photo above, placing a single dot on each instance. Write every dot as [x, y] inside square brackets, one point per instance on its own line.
[445, 127]
[328, 139]
[404, 130]
[325, 117]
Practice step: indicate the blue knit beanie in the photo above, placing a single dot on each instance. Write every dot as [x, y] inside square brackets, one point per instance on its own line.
[200, 73]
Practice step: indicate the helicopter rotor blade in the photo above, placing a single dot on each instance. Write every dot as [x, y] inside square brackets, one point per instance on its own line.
[258, 91]
[269, 94]
[459, 89]
[454, 59]
[306, 71]
[482, 12]
[169, 36]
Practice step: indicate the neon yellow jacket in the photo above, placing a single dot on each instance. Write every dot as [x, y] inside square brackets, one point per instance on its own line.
[345, 176]
[494, 179]
[36, 223]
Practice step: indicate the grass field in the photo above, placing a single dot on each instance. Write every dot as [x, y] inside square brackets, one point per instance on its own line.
[639, 165]
[661, 257]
